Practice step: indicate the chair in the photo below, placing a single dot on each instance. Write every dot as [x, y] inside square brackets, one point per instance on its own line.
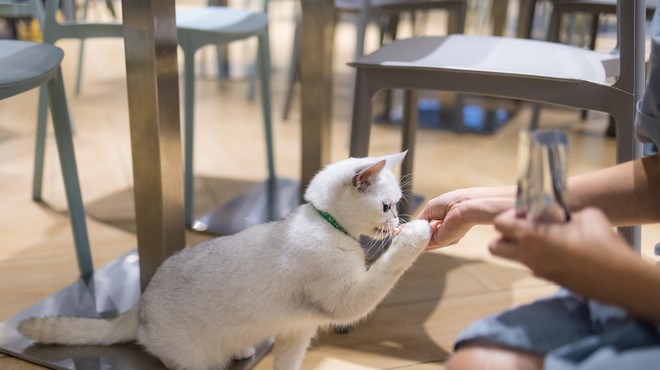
[25, 66]
[54, 31]
[595, 8]
[375, 10]
[367, 11]
[538, 71]
[22, 9]
[196, 27]
[81, 50]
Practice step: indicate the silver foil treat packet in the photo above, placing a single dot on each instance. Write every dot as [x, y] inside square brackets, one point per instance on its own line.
[542, 194]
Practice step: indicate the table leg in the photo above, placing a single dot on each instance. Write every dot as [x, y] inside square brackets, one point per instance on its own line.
[153, 97]
[316, 85]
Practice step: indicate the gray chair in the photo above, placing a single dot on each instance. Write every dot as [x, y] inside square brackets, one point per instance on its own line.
[22, 9]
[12, 9]
[537, 71]
[215, 25]
[81, 50]
[54, 31]
[367, 11]
[563, 8]
[196, 27]
[25, 66]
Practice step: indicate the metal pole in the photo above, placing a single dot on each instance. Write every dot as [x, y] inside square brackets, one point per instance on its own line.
[316, 85]
[153, 96]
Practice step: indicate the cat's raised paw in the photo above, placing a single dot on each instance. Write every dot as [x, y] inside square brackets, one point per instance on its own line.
[417, 233]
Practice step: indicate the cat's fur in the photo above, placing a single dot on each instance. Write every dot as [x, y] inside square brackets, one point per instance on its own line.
[216, 300]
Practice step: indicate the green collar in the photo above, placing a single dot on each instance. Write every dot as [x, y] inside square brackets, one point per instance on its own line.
[332, 221]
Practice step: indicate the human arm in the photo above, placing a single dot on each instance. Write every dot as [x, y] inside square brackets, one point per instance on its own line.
[461, 209]
[627, 193]
[585, 255]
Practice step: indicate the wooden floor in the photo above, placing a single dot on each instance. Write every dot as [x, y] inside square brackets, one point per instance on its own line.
[416, 325]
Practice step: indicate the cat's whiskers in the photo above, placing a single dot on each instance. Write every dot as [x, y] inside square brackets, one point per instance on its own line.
[405, 182]
[381, 233]
[373, 243]
[405, 216]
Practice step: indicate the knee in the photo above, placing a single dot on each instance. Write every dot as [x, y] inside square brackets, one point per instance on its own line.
[486, 357]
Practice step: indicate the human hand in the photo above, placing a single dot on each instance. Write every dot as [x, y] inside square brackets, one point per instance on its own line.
[576, 254]
[456, 212]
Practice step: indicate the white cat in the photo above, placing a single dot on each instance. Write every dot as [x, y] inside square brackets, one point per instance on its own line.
[218, 299]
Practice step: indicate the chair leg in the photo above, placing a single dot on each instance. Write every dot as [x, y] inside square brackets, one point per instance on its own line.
[189, 115]
[223, 64]
[64, 138]
[409, 127]
[627, 149]
[264, 72]
[294, 70]
[362, 23]
[252, 82]
[81, 54]
[40, 144]
[111, 8]
[361, 121]
[536, 116]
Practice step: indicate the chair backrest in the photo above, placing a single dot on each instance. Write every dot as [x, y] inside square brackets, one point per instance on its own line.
[23, 9]
[54, 30]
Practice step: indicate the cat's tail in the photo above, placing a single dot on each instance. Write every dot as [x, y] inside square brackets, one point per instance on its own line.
[82, 331]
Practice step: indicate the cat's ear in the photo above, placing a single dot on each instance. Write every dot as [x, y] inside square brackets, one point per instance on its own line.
[366, 176]
[393, 159]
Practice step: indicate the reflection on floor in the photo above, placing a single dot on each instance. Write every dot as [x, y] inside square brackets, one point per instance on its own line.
[416, 325]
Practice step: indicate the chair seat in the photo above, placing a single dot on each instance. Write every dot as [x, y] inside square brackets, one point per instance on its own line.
[26, 65]
[495, 55]
[218, 19]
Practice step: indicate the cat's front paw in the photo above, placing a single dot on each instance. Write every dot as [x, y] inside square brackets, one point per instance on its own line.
[415, 234]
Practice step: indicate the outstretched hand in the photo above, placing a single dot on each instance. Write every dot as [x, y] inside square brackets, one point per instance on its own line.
[458, 211]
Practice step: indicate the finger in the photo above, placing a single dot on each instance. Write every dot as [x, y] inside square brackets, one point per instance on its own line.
[505, 248]
[438, 238]
[434, 210]
[509, 225]
[426, 213]
[435, 225]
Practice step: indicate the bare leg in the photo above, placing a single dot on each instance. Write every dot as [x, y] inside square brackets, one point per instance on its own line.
[488, 357]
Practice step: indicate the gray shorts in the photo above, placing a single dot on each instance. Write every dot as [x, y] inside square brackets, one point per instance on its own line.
[572, 333]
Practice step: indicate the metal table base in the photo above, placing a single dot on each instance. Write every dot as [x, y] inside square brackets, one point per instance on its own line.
[112, 289]
[263, 202]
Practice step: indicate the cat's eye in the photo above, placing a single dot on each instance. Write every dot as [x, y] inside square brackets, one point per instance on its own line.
[387, 207]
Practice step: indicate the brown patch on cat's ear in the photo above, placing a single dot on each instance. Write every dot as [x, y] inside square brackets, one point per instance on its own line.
[365, 177]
